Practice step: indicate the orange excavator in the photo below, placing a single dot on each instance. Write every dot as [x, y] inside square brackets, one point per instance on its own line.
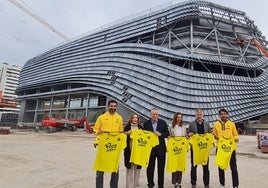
[57, 124]
[9, 103]
[255, 42]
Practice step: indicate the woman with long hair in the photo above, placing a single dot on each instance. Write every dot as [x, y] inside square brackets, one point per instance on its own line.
[132, 170]
[177, 129]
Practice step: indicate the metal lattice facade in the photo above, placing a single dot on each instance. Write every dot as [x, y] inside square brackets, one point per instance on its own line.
[185, 56]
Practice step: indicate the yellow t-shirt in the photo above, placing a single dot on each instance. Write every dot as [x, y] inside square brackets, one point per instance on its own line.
[225, 148]
[109, 122]
[201, 145]
[110, 146]
[177, 148]
[142, 144]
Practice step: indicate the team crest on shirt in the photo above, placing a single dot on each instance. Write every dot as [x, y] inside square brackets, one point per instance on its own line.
[117, 121]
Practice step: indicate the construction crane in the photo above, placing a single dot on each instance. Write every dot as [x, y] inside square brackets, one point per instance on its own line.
[38, 18]
[260, 47]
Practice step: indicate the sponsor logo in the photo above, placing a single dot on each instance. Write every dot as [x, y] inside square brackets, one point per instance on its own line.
[110, 147]
[226, 148]
[141, 142]
[177, 150]
[202, 145]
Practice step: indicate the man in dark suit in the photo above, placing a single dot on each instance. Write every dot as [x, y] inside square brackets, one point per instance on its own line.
[160, 128]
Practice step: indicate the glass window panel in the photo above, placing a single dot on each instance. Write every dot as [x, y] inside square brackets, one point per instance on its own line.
[75, 102]
[60, 103]
[44, 103]
[93, 101]
[58, 114]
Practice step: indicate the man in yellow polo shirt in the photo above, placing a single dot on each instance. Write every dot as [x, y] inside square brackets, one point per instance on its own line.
[110, 122]
[224, 128]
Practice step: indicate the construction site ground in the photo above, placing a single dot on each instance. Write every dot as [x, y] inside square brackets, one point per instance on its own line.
[65, 160]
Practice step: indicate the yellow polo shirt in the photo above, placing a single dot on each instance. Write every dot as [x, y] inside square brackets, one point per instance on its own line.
[109, 122]
[225, 129]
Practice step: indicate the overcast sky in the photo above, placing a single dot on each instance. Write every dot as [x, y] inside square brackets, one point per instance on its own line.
[22, 37]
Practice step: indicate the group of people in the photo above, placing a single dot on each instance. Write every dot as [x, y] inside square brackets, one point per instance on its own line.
[111, 122]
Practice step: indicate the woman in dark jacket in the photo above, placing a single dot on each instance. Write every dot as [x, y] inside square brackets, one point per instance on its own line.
[132, 170]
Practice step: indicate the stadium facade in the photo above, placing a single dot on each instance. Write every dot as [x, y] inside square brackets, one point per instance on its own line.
[178, 57]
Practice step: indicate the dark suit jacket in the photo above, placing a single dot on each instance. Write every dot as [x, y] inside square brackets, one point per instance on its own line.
[161, 127]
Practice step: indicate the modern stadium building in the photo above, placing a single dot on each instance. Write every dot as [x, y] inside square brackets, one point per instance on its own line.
[178, 57]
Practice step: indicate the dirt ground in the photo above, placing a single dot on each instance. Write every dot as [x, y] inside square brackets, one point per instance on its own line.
[65, 160]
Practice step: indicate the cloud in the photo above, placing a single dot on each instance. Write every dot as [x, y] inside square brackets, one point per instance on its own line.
[22, 37]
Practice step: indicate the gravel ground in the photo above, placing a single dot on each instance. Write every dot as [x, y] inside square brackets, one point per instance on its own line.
[65, 159]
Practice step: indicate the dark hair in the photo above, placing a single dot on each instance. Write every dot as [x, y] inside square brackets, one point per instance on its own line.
[112, 101]
[174, 121]
[223, 110]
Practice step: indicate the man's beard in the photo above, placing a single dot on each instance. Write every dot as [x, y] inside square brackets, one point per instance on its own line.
[112, 111]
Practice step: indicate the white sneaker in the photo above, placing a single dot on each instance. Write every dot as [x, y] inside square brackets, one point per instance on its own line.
[221, 186]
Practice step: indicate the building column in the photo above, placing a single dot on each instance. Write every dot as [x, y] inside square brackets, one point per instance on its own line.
[51, 106]
[67, 107]
[35, 114]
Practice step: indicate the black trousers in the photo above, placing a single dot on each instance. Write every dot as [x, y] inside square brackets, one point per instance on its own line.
[193, 171]
[176, 177]
[233, 167]
[161, 160]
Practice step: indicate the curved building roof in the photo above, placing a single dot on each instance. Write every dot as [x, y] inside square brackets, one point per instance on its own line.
[190, 55]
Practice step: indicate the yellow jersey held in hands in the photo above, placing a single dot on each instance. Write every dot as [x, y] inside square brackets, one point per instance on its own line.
[108, 155]
[142, 144]
[177, 149]
[225, 148]
[201, 145]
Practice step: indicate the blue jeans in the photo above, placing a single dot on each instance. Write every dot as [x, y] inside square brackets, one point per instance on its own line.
[113, 180]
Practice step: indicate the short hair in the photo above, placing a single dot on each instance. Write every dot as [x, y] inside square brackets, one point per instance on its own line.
[199, 110]
[112, 101]
[223, 110]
